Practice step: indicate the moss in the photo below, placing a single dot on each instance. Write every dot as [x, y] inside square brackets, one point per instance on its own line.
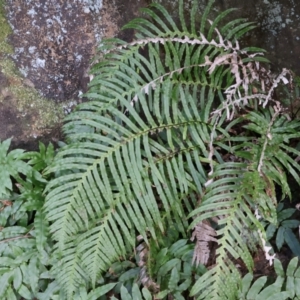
[8, 67]
[5, 30]
[28, 101]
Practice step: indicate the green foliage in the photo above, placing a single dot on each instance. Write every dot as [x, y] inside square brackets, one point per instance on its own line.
[283, 229]
[286, 285]
[24, 244]
[175, 271]
[172, 267]
[11, 165]
[136, 293]
[181, 139]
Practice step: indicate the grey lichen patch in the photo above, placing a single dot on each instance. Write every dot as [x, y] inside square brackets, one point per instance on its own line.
[274, 20]
[54, 41]
[274, 17]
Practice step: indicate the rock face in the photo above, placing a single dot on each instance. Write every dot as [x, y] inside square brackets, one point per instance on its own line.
[278, 28]
[55, 40]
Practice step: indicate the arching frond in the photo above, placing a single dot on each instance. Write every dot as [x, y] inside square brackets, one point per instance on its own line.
[140, 150]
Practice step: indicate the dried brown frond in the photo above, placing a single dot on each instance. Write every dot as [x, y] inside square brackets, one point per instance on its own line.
[142, 251]
[204, 234]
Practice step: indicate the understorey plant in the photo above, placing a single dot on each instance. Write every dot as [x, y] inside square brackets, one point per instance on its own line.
[25, 246]
[169, 171]
[282, 232]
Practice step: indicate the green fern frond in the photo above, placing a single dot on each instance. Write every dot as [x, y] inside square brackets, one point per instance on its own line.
[229, 197]
[139, 152]
[118, 206]
[272, 146]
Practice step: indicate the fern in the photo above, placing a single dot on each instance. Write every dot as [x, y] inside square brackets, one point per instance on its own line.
[153, 140]
[240, 187]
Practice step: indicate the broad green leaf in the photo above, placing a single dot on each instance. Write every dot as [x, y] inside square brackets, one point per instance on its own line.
[178, 296]
[185, 250]
[271, 290]
[125, 294]
[146, 294]
[168, 266]
[270, 231]
[11, 165]
[285, 214]
[297, 287]
[279, 296]
[161, 258]
[24, 292]
[292, 241]
[41, 230]
[184, 285]
[290, 223]
[51, 289]
[5, 282]
[292, 266]
[10, 294]
[290, 286]
[177, 246]
[256, 287]
[7, 262]
[130, 274]
[174, 279]
[246, 282]
[136, 294]
[34, 274]
[4, 270]
[162, 294]
[280, 237]
[17, 278]
[278, 268]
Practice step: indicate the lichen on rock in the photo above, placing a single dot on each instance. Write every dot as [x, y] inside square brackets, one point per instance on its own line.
[54, 41]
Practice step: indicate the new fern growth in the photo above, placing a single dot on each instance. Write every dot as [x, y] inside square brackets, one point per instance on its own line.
[169, 140]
